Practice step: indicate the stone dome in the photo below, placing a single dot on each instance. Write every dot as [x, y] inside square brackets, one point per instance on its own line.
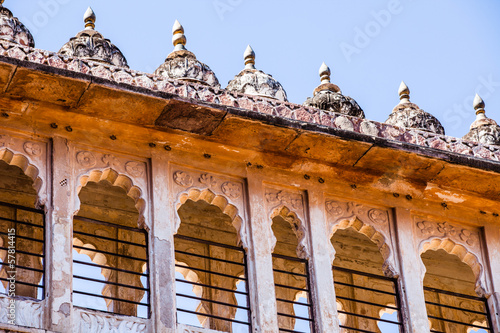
[182, 64]
[483, 130]
[409, 115]
[252, 81]
[12, 30]
[91, 45]
[327, 96]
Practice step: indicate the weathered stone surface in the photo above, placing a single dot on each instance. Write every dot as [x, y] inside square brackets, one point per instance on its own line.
[183, 65]
[12, 30]
[409, 115]
[257, 83]
[336, 102]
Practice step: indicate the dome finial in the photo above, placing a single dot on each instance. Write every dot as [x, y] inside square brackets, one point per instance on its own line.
[404, 93]
[324, 73]
[178, 39]
[1, 2]
[249, 56]
[479, 105]
[89, 19]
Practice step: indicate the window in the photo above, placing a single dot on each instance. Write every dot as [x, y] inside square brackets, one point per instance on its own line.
[110, 262]
[450, 297]
[22, 235]
[369, 300]
[212, 287]
[291, 277]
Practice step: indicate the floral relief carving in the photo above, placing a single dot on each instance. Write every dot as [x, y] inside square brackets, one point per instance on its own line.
[99, 323]
[445, 229]
[110, 160]
[346, 210]
[231, 189]
[32, 148]
[86, 159]
[183, 179]
[28, 313]
[135, 169]
[277, 197]
[208, 180]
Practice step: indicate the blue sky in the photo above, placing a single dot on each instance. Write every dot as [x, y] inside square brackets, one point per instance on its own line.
[445, 50]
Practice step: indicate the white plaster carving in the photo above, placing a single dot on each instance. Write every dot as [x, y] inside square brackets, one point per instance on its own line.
[86, 159]
[289, 205]
[208, 180]
[110, 160]
[96, 322]
[199, 182]
[232, 190]
[444, 229]
[32, 148]
[191, 329]
[32, 158]
[28, 313]
[136, 169]
[344, 214]
[183, 179]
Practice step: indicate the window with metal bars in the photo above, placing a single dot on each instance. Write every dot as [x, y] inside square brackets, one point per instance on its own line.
[110, 254]
[212, 280]
[358, 293]
[473, 312]
[450, 296]
[22, 235]
[367, 300]
[291, 278]
[22, 251]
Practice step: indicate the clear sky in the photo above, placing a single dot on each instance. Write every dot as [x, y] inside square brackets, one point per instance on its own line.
[445, 50]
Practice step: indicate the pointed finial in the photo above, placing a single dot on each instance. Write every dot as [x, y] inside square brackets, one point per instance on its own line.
[479, 105]
[1, 3]
[249, 56]
[404, 93]
[89, 19]
[324, 73]
[178, 38]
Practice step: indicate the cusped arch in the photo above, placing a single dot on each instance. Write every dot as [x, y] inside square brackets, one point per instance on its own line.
[219, 201]
[26, 166]
[373, 235]
[466, 256]
[115, 179]
[298, 228]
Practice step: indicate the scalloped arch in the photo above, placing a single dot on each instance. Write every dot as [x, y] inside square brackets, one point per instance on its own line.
[216, 200]
[298, 229]
[461, 252]
[373, 235]
[25, 165]
[115, 179]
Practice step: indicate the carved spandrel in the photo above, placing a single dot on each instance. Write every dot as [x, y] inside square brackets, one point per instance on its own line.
[466, 236]
[96, 322]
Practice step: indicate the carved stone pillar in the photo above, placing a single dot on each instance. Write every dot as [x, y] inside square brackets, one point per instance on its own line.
[412, 274]
[161, 251]
[323, 290]
[60, 238]
[492, 240]
[260, 264]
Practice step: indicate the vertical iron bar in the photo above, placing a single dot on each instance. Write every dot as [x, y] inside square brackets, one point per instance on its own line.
[309, 298]
[148, 282]
[488, 314]
[398, 304]
[249, 312]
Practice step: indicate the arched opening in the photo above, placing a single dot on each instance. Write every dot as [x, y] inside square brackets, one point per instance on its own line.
[450, 292]
[213, 266]
[291, 275]
[369, 300]
[106, 233]
[22, 230]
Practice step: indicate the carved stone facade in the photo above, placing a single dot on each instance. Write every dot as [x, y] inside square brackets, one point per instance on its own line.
[172, 155]
[12, 30]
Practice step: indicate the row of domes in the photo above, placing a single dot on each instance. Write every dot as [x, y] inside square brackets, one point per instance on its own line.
[182, 64]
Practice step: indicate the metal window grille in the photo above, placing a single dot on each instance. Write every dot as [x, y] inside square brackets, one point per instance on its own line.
[126, 241]
[301, 274]
[23, 240]
[209, 267]
[475, 307]
[385, 287]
